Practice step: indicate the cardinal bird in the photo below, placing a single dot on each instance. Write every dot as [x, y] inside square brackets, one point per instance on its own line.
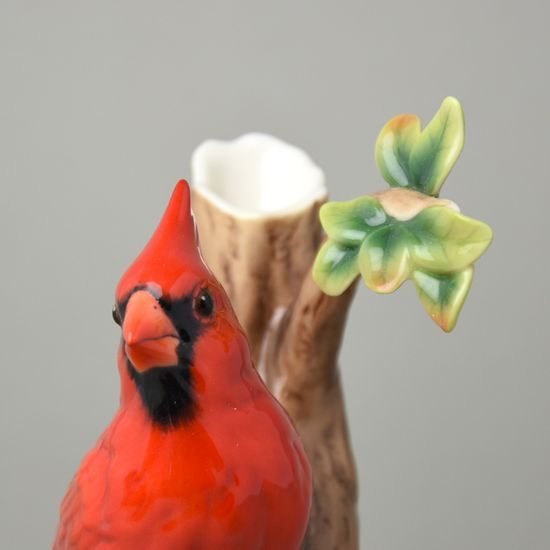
[199, 454]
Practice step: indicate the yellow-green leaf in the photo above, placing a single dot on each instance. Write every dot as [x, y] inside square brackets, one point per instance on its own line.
[444, 241]
[443, 295]
[421, 159]
[438, 147]
[393, 149]
[384, 259]
[335, 267]
[350, 222]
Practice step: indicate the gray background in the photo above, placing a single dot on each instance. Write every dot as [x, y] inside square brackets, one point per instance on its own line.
[101, 106]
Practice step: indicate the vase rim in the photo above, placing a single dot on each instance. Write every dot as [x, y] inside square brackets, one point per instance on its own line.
[257, 176]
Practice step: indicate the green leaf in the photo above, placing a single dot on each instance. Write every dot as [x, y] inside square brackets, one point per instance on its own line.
[443, 295]
[384, 259]
[335, 267]
[422, 160]
[393, 149]
[444, 241]
[438, 147]
[350, 222]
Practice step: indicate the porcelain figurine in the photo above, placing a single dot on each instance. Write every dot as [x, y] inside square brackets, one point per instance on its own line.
[199, 454]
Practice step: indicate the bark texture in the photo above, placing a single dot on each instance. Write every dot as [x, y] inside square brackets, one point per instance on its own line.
[295, 332]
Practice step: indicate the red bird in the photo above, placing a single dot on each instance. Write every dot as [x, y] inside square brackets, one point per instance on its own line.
[199, 454]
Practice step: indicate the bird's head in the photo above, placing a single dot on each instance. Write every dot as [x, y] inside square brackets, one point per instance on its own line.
[177, 322]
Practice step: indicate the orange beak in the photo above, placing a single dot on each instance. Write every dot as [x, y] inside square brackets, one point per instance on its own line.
[151, 340]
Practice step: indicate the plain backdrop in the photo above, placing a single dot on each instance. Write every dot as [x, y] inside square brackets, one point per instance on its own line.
[102, 104]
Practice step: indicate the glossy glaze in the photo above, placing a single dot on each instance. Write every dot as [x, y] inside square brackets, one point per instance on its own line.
[210, 459]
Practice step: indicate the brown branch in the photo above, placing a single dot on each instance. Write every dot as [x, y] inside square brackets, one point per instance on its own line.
[302, 370]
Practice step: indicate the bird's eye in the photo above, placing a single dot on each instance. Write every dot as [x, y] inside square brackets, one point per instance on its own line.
[204, 304]
[116, 315]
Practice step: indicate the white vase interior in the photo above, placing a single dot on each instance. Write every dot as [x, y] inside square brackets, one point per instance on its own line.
[256, 175]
